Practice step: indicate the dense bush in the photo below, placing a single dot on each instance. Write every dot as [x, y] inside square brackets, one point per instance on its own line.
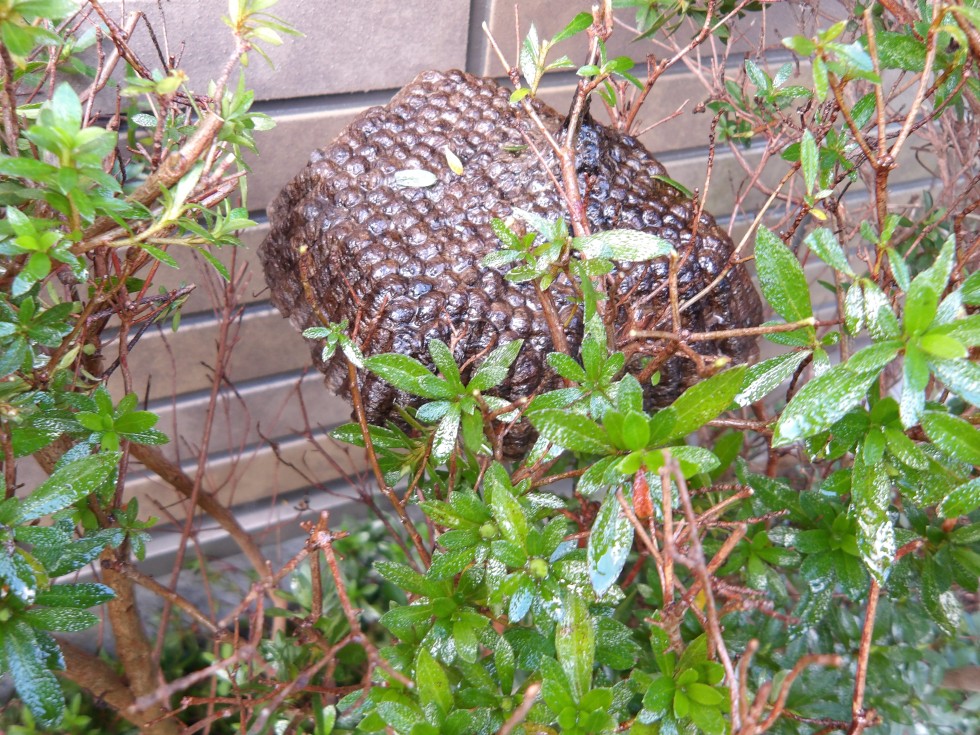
[791, 546]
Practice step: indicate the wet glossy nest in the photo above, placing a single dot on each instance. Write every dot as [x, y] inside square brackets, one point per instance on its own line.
[404, 262]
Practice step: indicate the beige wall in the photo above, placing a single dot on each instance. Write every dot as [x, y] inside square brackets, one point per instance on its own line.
[353, 55]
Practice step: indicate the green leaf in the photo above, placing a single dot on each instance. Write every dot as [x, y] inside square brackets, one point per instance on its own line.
[823, 242]
[659, 695]
[431, 682]
[764, 377]
[575, 644]
[878, 314]
[566, 367]
[68, 484]
[693, 460]
[962, 500]
[820, 82]
[708, 719]
[701, 403]
[635, 430]
[36, 686]
[825, 399]
[809, 160]
[623, 245]
[899, 51]
[940, 603]
[493, 371]
[74, 595]
[615, 644]
[965, 331]
[446, 363]
[704, 694]
[444, 439]
[509, 516]
[960, 376]
[942, 346]
[781, 277]
[871, 496]
[958, 438]
[162, 255]
[801, 45]
[578, 24]
[923, 297]
[407, 578]
[915, 372]
[595, 479]
[571, 431]
[404, 373]
[63, 619]
[610, 543]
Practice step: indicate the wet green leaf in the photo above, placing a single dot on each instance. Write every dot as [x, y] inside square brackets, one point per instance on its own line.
[570, 431]
[923, 297]
[446, 363]
[824, 243]
[961, 500]
[509, 516]
[781, 277]
[36, 685]
[825, 399]
[960, 376]
[871, 496]
[575, 644]
[610, 542]
[68, 484]
[431, 682]
[764, 377]
[955, 436]
[407, 578]
[74, 595]
[65, 619]
[659, 696]
[444, 439]
[900, 51]
[698, 405]
[623, 245]
[407, 374]
[493, 371]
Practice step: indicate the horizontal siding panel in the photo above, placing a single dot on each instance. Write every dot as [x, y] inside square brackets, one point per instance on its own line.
[550, 16]
[345, 46]
[166, 363]
[265, 409]
[255, 474]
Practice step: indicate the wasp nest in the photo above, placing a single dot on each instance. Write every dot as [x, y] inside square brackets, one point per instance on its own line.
[404, 262]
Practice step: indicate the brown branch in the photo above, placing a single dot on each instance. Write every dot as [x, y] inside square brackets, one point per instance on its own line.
[700, 568]
[130, 572]
[98, 678]
[171, 473]
[728, 333]
[861, 718]
[783, 694]
[133, 647]
[518, 715]
[11, 130]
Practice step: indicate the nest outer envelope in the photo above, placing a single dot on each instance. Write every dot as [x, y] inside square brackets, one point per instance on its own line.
[408, 258]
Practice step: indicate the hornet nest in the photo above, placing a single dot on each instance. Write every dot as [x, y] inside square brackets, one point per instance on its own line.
[404, 263]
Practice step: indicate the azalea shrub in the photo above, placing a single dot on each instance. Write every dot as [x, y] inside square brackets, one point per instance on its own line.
[790, 546]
